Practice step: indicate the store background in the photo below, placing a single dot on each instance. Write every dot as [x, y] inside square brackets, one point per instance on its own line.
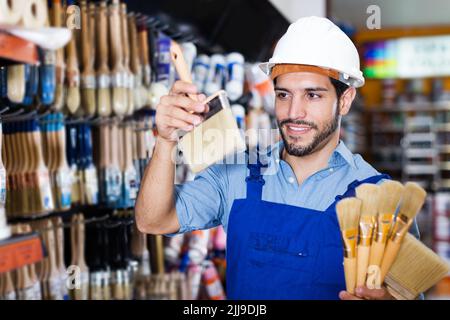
[401, 126]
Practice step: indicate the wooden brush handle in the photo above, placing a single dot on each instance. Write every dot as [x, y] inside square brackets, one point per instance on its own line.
[81, 244]
[104, 146]
[102, 32]
[59, 243]
[390, 254]
[114, 134]
[144, 49]
[350, 274]
[72, 63]
[128, 147]
[125, 36]
[134, 52]
[74, 239]
[85, 39]
[115, 38]
[376, 253]
[362, 264]
[92, 32]
[181, 66]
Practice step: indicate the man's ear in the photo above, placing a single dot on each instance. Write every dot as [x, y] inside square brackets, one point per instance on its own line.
[346, 100]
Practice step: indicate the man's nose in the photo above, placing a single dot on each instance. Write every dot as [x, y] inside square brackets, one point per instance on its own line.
[297, 109]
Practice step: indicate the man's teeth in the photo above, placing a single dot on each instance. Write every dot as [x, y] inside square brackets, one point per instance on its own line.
[299, 129]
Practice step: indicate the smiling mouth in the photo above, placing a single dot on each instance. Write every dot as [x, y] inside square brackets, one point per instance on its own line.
[296, 130]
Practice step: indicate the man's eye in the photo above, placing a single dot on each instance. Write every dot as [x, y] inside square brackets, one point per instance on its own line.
[312, 95]
[282, 95]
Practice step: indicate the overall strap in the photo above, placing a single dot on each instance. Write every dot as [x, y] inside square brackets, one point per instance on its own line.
[255, 180]
[352, 186]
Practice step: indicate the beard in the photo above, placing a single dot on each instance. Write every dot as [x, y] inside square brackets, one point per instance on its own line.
[296, 150]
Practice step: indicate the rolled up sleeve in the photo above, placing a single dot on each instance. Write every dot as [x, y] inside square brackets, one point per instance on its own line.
[200, 204]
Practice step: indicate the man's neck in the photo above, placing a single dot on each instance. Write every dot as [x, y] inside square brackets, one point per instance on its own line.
[306, 166]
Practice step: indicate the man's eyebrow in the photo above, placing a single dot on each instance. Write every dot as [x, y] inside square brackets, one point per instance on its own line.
[306, 89]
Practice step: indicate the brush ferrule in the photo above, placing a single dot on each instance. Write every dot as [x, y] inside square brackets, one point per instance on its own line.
[366, 226]
[117, 80]
[73, 79]
[400, 228]
[103, 81]
[349, 240]
[88, 82]
[131, 81]
[383, 227]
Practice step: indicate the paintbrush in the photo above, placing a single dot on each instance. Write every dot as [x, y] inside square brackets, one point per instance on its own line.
[83, 292]
[32, 270]
[31, 84]
[144, 55]
[24, 284]
[348, 211]
[60, 63]
[27, 182]
[412, 200]
[53, 276]
[135, 64]
[369, 195]
[130, 174]
[218, 118]
[90, 179]
[119, 97]
[73, 253]
[128, 76]
[60, 264]
[114, 175]
[103, 71]
[389, 196]
[40, 172]
[63, 177]
[88, 75]
[11, 169]
[415, 270]
[2, 173]
[47, 77]
[16, 83]
[73, 99]
[8, 290]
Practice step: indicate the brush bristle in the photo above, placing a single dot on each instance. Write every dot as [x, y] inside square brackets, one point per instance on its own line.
[368, 193]
[119, 101]
[73, 99]
[58, 104]
[348, 212]
[413, 198]
[416, 269]
[104, 102]
[389, 196]
[16, 83]
[89, 103]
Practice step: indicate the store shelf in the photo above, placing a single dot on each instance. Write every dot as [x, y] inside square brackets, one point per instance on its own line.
[421, 169]
[420, 153]
[427, 107]
[20, 251]
[16, 49]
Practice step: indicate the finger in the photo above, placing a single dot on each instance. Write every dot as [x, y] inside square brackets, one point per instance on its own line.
[344, 295]
[183, 102]
[182, 87]
[183, 115]
[367, 293]
[178, 124]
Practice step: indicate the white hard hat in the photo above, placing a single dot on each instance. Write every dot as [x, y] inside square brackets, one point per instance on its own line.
[313, 42]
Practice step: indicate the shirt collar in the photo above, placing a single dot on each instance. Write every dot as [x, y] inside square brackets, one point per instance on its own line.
[340, 155]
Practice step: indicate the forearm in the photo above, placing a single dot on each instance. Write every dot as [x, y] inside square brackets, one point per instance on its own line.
[155, 206]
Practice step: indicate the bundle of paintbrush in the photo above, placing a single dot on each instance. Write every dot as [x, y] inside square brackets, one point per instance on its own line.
[28, 176]
[54, 143]
[371, 220]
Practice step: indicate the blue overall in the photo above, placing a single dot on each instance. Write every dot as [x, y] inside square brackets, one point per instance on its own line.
[277, 251]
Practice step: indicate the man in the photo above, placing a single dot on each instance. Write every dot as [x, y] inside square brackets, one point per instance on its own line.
[283, 236]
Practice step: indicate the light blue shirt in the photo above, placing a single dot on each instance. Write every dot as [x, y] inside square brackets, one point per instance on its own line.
[206, 202]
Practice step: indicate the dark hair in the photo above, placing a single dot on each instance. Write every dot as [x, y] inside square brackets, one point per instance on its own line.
[339, 86]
